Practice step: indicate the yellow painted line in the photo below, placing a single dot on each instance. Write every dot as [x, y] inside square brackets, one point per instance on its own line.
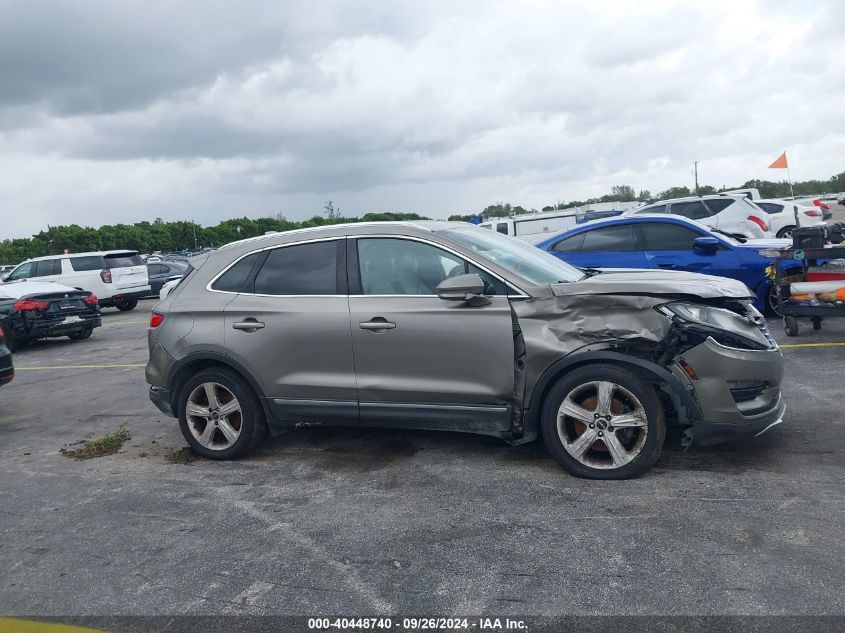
[77, 367]
[14, 625]
[837, 344]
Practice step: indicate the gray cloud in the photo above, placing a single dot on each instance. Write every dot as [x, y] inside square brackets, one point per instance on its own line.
[184, 109]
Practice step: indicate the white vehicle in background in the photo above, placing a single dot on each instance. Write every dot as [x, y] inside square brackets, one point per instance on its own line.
[167, 287]
[533, 227]
[751, 193]
[735, 214]
[782, 215]
[116, 278]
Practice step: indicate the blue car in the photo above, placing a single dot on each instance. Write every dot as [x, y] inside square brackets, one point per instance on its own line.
[670, 242]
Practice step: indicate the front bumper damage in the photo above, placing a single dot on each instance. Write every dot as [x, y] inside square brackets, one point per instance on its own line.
[737, 390]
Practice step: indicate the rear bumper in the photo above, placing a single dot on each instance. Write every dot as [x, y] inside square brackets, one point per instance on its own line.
[118, 297]
[25, 328]
[161, 399]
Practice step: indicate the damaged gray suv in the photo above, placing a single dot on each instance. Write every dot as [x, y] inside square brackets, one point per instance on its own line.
[452, 327]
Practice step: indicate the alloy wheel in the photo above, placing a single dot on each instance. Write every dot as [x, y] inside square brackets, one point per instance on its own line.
[214, 416]
[602, 425]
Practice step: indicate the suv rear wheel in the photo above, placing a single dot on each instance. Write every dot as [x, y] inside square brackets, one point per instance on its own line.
[603, 422]
[126, 305]
[219, 414]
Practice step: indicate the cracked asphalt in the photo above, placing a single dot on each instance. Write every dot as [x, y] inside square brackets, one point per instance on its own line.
[359, 521]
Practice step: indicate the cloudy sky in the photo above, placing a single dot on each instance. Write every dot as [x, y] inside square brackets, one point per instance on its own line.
[125, 111]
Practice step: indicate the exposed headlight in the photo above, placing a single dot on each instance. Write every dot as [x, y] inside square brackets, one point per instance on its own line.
[717, 319]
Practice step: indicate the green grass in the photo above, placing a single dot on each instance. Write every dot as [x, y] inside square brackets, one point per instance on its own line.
[109, 444]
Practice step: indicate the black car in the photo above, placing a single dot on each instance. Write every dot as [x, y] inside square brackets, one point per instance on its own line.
[30, 310]
[7, 367]
[163, 271]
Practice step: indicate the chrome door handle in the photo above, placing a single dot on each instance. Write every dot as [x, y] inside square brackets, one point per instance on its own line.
[248, 326]
[377, 324]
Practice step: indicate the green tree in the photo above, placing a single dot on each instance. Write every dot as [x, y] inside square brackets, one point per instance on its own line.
[622, 193]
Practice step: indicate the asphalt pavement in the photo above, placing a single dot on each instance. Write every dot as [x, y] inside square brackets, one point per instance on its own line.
[360, 521]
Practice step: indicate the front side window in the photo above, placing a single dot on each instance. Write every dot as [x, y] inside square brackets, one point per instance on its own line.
[390, 266]
[24, 271]
[502, 227]
[612, 238]
[301, 269]
[668, 237]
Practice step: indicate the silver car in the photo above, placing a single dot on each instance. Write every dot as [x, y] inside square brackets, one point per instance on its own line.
[441, 325]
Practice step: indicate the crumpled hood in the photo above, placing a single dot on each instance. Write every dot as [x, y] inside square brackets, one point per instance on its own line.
[627, 281]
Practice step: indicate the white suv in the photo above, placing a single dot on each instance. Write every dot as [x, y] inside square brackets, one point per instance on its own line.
[734, 214]
[782, 216]
[116, 278]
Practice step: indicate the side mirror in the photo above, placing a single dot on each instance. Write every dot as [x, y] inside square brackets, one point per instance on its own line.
[6, 278]
[710, 244]
[467, 288]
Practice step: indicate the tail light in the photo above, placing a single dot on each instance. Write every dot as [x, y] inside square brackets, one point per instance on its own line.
[105, 275]
[812, 213]
[759, 222]
[91, 300]
[156, 319]
[824, 206]
[30, 305]
[817, 202]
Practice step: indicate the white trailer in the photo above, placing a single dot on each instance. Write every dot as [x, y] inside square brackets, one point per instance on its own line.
[533, 227]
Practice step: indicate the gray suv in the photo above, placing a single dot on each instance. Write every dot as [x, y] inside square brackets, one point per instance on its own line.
[447, 326]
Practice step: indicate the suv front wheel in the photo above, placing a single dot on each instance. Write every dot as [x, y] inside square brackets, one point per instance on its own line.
[219, 415]
[603, 422]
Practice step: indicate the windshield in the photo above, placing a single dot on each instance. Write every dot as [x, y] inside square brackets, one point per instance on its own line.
[525, 260]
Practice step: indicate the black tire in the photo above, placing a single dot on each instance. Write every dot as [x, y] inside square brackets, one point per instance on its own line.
[631, 381]
[252, 421]
[785, 232]
[126, 305]
[772, 299]
[81, 335]
[790, 325]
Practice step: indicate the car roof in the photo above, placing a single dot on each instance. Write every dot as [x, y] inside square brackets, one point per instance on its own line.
[429, 226]
[669, 218]
[709, 196]
[122, 251]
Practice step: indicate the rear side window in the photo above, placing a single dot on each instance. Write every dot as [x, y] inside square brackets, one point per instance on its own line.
[47, 267]
[611, 238]
[155, 269]
[570, 244]
[123, 260]
[303, 269]
[694, 209]
[233, 279]
[668, 237]
[719, 205]
[94, 262]
[770, 207]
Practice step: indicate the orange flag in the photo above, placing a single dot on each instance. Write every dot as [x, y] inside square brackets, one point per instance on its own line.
[780, 162]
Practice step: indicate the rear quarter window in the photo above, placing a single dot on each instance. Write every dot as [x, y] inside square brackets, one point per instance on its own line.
[123, 261]
[717, 206]
[94, 262]
[233, 279]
